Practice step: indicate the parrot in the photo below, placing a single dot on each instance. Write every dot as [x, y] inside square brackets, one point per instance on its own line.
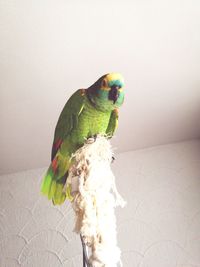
[87, 113]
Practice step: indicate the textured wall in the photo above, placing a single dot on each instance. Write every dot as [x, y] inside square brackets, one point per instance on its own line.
[158, 228]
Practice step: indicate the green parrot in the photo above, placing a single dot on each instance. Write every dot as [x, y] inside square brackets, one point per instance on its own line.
[87, 113]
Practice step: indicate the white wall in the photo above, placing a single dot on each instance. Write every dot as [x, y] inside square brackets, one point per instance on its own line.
[158, 228]
[50, 48]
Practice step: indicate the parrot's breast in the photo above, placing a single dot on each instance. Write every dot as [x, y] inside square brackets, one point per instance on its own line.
[91, 122]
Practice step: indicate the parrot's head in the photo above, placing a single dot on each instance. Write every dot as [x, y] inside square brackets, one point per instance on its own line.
[107, 93]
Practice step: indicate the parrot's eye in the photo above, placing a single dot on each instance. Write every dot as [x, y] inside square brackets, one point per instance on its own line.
[104, 83]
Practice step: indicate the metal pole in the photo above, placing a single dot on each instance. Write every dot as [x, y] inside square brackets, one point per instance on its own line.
[85, 256]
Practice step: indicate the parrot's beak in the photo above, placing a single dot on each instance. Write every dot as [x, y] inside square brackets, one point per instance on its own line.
[114, 93]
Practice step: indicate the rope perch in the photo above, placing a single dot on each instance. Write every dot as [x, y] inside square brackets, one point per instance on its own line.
[95, 197]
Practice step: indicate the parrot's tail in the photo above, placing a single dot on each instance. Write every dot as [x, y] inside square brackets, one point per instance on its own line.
[54, 188]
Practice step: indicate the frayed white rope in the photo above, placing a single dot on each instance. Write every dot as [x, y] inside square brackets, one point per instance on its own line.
[95, 197]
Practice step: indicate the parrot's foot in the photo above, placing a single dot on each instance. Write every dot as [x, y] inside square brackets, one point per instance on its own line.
[92, 139]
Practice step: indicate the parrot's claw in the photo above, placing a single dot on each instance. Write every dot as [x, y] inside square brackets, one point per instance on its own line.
[113, 159]
[95, 137]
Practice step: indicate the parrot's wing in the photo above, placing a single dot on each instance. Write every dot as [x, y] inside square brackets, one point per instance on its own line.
[113, 123]
[68, 119]
[55, 177]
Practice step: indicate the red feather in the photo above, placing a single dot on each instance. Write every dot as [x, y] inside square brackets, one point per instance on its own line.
[57, 144]
[54, 164]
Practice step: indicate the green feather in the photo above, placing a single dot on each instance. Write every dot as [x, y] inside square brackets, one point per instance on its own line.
[46, 183]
